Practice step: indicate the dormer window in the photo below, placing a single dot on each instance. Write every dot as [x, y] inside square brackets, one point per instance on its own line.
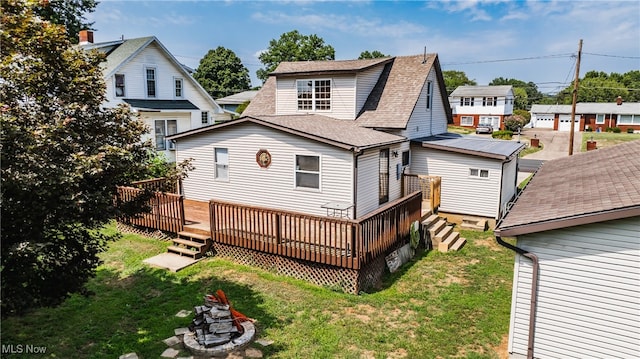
[119, 80]
[314, 95]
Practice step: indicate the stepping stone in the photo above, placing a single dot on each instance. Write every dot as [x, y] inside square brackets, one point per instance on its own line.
[183, 313]
[170, 353]
[129, 356]
[172, 341]
[264, 342]
[252, 353]
[181, 331]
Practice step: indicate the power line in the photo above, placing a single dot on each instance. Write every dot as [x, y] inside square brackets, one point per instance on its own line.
[618, 56]
[514, 59]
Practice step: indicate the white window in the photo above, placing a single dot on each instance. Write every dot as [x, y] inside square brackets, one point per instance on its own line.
[221, 161]
[204, 117]
[466, 101]
[429, 94]
[599, 119]
[150, 76]
[466, 120]
[628, 120]
[307, 171]
[489, 101]
[314, 95]
[178, 88]
[119, 84]
[476, 172]
[164, 128]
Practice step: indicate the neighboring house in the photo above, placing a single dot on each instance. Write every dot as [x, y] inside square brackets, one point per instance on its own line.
[596, 116]
[474, 105]
[322, 136]
[231, 103]
[579, 222]
[142, 73]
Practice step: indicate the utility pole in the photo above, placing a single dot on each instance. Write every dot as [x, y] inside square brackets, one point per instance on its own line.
[575, 98]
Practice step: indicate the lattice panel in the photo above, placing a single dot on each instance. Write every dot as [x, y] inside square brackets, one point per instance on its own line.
[145, 232]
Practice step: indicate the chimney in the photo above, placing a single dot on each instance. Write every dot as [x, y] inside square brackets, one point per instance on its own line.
[86, 37]
[619, 100]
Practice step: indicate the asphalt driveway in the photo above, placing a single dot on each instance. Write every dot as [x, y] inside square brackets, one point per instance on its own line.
[555, 143]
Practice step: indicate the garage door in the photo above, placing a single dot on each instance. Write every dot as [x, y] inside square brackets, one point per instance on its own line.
[544, 121]
[565, 123]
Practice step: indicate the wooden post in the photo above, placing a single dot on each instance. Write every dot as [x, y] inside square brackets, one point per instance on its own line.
[575, 98]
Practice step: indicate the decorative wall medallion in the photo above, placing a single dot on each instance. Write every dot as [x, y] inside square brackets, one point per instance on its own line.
[263, 158]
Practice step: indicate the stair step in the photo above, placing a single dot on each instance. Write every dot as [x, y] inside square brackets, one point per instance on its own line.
[425, 214]
[458, 245]
[430, 220]
[444, 233]
[190, 235]
[448, 241]
[436, 227]
[184, 251]
[188, 243]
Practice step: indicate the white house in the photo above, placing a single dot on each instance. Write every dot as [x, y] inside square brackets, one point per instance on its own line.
[576, 284]
[327, 136]
[596, 116]
[474, 105]
[142, 73]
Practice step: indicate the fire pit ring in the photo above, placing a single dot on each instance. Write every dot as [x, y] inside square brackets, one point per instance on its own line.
[241, 342]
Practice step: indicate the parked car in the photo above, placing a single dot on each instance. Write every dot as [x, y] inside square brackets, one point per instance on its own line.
[484, 128]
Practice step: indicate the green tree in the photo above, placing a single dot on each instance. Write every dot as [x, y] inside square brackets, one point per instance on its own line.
[61, 156]
[533, 94]
[68, 13]
[375, 54]
[521, 101]
[222, 73]
[293, 46]
[453, 79]
[631, 81]
[598, 86]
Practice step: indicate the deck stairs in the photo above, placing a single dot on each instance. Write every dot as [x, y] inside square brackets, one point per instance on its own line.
[441, 235]
[190, 244]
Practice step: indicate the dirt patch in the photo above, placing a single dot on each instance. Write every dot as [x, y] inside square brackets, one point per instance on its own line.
[503, 348]
[398, 353]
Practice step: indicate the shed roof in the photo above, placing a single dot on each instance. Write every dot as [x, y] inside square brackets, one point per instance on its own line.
[471, 145]
[340, 133]
[588, 187]
[627, 108]
[238, 98]
[502, 90]
[161, 104]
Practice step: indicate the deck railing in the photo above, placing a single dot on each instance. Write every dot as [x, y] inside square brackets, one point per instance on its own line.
[166, 210]
[430, 186]
[158, 184]
[327, 240]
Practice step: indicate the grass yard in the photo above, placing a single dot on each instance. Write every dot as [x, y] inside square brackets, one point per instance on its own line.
[606, 139]
[440, 305]
[460, 130]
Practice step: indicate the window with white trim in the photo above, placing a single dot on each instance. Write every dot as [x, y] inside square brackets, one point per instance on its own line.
[150, 83]
[164, 128]
[119, 85]
[314, 95]
[489, 101]
[476, 172]
[466, 120]
[178, 88]
[307, 172]
[204, 117]
[599, 119]
[466, 101]
[628, 120]
[221, 164]
[429, 94]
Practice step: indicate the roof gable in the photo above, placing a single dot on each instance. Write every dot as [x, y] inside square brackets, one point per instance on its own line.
[471, 91]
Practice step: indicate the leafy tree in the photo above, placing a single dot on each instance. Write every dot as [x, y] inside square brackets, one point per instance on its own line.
[241, 107]
[521, 101]
[533, 94]
[513, 122]
[61, 156]
[523, 113]
[293, 46]
[453, 79]
[375, 54]
[631, 81]
[598, 86]
[222, 73]
[68, 13]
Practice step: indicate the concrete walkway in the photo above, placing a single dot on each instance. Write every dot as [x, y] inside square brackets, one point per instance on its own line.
[555, 143]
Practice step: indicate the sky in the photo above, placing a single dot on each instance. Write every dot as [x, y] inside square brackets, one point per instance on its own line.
[532, 41]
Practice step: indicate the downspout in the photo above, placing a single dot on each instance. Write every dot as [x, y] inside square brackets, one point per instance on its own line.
[534, 290]
[357, 153]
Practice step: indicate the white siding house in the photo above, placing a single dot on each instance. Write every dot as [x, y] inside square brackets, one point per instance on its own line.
[581, 240]
[473, 105]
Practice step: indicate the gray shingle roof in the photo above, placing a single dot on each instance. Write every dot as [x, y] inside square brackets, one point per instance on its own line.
[264, 103]
[589, 187]
[340, 133]
[238, 98]
[464, 91]
[483, 147]
[161, 104]
[332, 66]
[627, 108]
[119, 51]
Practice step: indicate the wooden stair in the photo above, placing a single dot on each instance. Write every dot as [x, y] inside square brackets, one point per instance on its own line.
[190, 244]
[441, 235]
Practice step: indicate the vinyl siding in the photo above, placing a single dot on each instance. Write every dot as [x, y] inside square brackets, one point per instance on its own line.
[182, 120]
[509, 185]
[343, 96]
[365, 82]
[589, 298]
[461, 193]
[271, 187]
[423, 122]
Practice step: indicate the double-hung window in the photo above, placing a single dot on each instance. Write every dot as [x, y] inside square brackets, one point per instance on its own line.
[178, 90]
[150, 77]
[599, 119]
[221, 161]
[628, 120]
[119, 85]
[466, 101]
[307, 171]
[489, 101]
[164, 128]
[476, 172]
[314, 95]
[466, 120]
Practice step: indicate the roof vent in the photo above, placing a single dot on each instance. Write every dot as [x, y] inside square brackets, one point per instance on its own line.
[619, 100]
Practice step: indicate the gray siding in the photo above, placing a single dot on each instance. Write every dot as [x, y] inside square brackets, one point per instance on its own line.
[423, 122]
[589, 297]
[272, 187]
[343, 94]
[461, 193]
[365, 82]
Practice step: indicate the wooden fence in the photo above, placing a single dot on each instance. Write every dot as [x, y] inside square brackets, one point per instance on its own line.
[430, 186]
[334, 241]
[166, 210]
[158, 184]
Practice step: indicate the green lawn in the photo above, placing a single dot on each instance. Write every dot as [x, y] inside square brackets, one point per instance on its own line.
[460, 130]
[439, 305]
[606, 139]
